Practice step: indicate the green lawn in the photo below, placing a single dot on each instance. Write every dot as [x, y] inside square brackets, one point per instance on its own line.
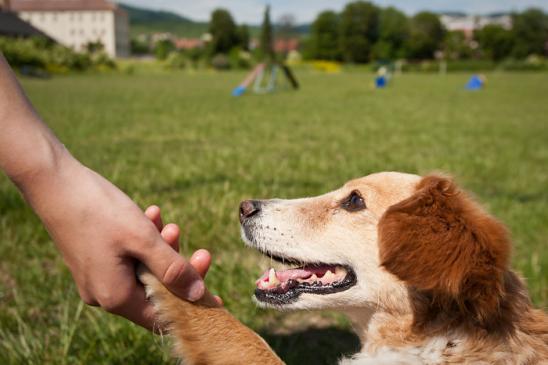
[181, 141]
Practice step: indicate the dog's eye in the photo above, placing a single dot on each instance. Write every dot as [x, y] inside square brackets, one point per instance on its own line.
[354, 202]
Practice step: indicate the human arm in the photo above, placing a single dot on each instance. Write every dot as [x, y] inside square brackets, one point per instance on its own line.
[100, 232]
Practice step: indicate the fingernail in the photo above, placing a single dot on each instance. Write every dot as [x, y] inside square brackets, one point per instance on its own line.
[196, 290]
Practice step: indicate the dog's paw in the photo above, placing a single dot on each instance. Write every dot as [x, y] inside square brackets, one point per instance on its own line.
[148, 280]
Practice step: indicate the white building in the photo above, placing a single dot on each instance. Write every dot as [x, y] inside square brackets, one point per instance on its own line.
[75, 23]
[469, 23]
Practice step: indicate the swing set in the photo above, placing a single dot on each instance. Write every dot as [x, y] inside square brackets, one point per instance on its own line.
[264, 76]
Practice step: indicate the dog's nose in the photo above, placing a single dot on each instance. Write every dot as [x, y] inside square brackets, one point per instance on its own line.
[249, 208]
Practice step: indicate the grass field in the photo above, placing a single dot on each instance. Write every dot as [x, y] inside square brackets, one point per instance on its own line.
[181, 141]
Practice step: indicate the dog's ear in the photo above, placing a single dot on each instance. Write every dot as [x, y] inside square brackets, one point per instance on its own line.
[440, 242]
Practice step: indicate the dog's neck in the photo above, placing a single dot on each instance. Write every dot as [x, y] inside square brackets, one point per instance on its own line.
[378, 328]
[387, 338]
[404, 334]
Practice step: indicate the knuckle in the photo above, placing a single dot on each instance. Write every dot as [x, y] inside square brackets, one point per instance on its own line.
[175, 272]
[145, 239]
[113, 303]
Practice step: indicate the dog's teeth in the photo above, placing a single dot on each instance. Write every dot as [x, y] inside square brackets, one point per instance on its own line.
[313, 278]
[329, 276]
[340, 271]
[272, 278]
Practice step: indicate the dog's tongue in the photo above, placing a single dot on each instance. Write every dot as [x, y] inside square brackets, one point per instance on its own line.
[272, 278]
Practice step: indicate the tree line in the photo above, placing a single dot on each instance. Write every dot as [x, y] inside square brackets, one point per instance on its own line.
[363, 32]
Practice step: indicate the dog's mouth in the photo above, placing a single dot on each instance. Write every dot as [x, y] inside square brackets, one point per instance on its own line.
[285, 286]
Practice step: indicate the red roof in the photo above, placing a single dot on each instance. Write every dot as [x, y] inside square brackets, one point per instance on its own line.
[61, 5]
[188, 43]
[286, 45]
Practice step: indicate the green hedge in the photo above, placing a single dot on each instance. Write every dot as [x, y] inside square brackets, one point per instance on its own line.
[44, 55]
[530, 64]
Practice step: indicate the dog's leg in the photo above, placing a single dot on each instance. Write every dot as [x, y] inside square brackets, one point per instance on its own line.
[204, 332]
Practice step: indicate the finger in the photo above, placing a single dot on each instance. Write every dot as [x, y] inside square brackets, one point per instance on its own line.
[154, 214]
[171, 269]
[171, 233]
[201, 260]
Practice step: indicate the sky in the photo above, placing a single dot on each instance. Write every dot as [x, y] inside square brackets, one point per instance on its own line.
[250, 11]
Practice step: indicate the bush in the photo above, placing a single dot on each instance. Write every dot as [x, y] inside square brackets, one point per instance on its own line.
[239, 58]
[45, 55]
[23, 52]
[176, 60]
[452, 66]
[220, 62]
[532, 63]
[471, 65]
[163, 48]
[196, 56]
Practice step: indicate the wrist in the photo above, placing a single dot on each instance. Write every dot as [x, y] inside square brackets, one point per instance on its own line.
[45, 159]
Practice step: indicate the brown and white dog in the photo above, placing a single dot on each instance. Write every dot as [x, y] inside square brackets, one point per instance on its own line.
[419, 267]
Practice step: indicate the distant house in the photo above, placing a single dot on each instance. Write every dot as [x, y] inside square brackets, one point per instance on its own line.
[75, 23]
[189, 43]
[469, 23]
[286, 45]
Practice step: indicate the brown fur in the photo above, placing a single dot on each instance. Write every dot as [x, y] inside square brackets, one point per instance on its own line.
[206, 334]
[454, 257]
[457, 289]
[443, 244]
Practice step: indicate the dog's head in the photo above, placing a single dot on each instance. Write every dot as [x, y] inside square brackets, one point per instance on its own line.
[373, 240]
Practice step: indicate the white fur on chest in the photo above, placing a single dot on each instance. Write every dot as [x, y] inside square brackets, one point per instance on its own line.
[430, 353]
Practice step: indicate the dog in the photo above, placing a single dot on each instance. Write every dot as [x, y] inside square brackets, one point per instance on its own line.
[420, 268]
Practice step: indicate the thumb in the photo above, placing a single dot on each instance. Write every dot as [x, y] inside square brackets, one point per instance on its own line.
[176, 273]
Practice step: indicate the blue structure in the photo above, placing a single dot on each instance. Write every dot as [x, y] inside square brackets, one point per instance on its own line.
[238, 90]
[381, 81]
[475, 83]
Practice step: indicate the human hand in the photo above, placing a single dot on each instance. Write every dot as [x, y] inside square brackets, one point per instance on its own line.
[200, 260]
[103, 235]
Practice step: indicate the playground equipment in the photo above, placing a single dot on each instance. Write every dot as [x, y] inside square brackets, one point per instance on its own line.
[265, 74]
[382, 78]
[264, 78]
[476, 82]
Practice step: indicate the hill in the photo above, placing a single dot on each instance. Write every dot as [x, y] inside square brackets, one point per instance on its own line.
[145, 21]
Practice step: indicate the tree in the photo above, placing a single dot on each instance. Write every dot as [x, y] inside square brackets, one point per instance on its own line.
[163, 48]
[456, 46]
[138, 46]
[243, 36]
[324, 37]
[223, 32]
[358, 31]
[495, 42]
[393, 33]
[530, 30]
[267, 45]
[426, 36]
